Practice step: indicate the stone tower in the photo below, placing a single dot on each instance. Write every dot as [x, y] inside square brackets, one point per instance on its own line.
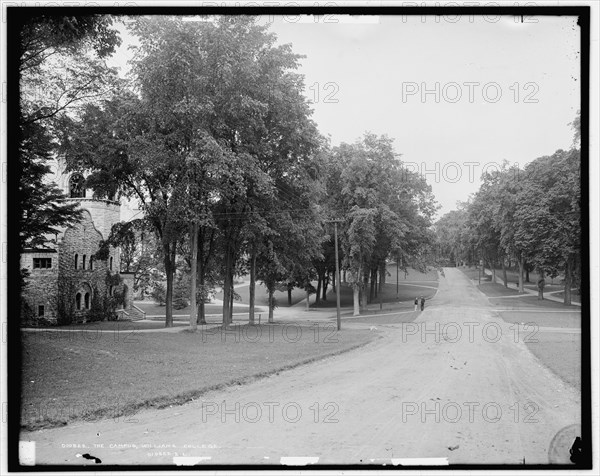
[68, 277]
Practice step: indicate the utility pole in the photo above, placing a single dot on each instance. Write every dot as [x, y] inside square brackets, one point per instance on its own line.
[337, 272]
[397, 274]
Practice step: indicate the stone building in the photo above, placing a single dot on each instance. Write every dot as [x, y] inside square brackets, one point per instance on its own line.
[65, 278]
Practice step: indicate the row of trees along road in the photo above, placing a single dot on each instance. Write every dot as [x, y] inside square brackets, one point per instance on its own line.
[529, 215]
[212, 136]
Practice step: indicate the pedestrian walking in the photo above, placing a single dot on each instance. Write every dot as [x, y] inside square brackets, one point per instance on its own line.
[416, 304]
[422, 303]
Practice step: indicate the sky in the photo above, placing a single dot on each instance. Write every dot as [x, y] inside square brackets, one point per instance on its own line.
[457, 94]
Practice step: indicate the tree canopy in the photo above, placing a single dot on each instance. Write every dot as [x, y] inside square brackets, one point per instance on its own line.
[212, 135]
[531, 215]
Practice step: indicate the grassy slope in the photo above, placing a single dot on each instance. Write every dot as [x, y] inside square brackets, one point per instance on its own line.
[74, 376]
[413, 285]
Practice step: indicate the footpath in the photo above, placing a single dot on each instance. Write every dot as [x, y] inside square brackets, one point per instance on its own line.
[549, 296]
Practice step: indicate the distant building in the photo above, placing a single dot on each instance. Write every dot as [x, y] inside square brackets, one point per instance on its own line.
[65, 279]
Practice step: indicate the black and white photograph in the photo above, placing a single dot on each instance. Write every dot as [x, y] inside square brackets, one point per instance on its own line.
[304, 236]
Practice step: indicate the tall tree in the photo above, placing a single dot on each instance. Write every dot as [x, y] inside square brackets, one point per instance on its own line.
[262, 118]
[549, 216]
[387, 209]
[125, 149]
[78, 45]
[451, 236]
[41, 203]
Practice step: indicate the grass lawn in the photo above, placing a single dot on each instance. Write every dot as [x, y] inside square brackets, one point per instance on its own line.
[473, 273]
[415, 284]
[261, 296]
[495, 290]
[411, 275]
[69, 376]
[568, 319]
[575, 296]
[547, 288]
[109, 326]
[406, 294]
[525, 299]
[153, 309]
[561, 353]
[513, 276]
[552, 284]
[528, 309]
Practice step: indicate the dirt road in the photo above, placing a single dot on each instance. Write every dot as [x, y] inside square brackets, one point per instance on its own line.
[456, 385]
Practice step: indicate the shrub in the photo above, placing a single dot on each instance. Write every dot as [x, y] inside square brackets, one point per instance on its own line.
[65, 301]
[159, 294]
[180, 303]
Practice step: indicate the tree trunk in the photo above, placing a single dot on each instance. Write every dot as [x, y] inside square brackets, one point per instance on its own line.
[344, 277]
[227, 285]
[318, 296]
[252, 289]
[333, 282]
[376, 279]
[527, 272]
[201, 277]
[382, 273]
[372, 288]
[356, 296]
[493, 266]
[504, 273]
[289, 290]
[169, 271]
[325, 284]
[521, 266]
[231, 302]
[201, 306]
[194, 276]
[567, 298]
[363, 290]
[271, 292]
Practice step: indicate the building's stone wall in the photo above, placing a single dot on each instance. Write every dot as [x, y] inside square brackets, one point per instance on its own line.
[104, 213]
[41, 285]
[84, 239]
[46, 286]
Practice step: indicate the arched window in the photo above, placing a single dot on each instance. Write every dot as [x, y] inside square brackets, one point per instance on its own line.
[76, 260]
[110, 263]
[87, 300]
[83, 262]
[78, 301]
[91, 262]
[76, 186]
